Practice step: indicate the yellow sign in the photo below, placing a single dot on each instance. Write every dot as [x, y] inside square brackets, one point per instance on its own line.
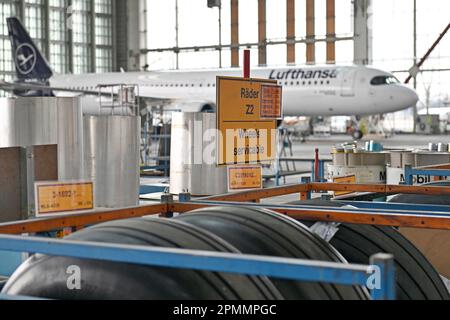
[245, 137]
[56, 197]
[344, 180]
[244, 178]
[271, 106]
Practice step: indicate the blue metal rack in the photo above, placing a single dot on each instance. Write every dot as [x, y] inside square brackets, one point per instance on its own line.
[284, 268]
[410, 172]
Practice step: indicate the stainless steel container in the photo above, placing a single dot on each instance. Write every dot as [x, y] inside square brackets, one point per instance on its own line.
[41, 139]
[70, 140]
[432, 147]
[38, 121]
[112, 159]
[442, 147]
[28, 121]
[400, 158]
[193, 166]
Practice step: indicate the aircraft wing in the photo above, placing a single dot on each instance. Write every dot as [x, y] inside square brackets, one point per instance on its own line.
[168, 104]
[11, 86]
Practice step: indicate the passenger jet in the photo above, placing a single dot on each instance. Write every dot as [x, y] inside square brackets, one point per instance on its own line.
[307, 91]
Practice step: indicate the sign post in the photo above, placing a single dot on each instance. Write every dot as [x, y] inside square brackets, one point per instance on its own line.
[247, 114]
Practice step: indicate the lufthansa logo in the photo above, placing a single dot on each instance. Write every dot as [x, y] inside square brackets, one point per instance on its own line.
[25, 58]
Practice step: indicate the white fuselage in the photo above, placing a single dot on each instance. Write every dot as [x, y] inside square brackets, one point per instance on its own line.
[307, 91]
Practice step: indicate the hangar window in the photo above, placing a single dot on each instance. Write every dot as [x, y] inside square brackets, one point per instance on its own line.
[384, 80]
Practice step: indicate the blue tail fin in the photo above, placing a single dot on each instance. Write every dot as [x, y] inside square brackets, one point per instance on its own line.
[29, 61]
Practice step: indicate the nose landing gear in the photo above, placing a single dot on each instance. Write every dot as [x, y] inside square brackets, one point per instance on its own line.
[357, 134]
[354, 128]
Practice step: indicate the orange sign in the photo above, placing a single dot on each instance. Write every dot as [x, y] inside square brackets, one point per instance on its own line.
[56, 197]
[245, 137]
[345, 180]
[271, 102]
[244, 178]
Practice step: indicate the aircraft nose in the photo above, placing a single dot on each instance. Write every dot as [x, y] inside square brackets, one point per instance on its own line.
[410, 97]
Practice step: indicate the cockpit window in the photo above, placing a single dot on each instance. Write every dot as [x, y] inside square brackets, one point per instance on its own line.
[384, 80]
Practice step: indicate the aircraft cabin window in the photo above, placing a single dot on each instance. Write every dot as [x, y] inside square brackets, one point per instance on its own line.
[384, 80]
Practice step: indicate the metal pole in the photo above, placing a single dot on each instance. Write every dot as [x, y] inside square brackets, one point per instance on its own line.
[234, 6]
[290, 31]
[415, 61]
[220, 36]
[92, 38]
[176, 34]
[430, 51]
[246, 63]
[310, 32]
[316, 165]
[386, 266]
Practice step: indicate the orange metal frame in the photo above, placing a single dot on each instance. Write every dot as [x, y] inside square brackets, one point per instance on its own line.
[376, 217]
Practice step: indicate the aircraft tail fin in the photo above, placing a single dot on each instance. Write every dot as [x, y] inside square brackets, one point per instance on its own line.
[29, 62]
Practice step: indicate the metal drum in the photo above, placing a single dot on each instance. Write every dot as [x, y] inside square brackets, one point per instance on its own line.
[28, 121]
[112, 159]
[70, 139]
[193, 155]
[40, 121]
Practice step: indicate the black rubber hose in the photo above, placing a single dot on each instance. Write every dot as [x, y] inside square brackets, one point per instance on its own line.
[417, 279]
[45, 276]
[263, 232]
